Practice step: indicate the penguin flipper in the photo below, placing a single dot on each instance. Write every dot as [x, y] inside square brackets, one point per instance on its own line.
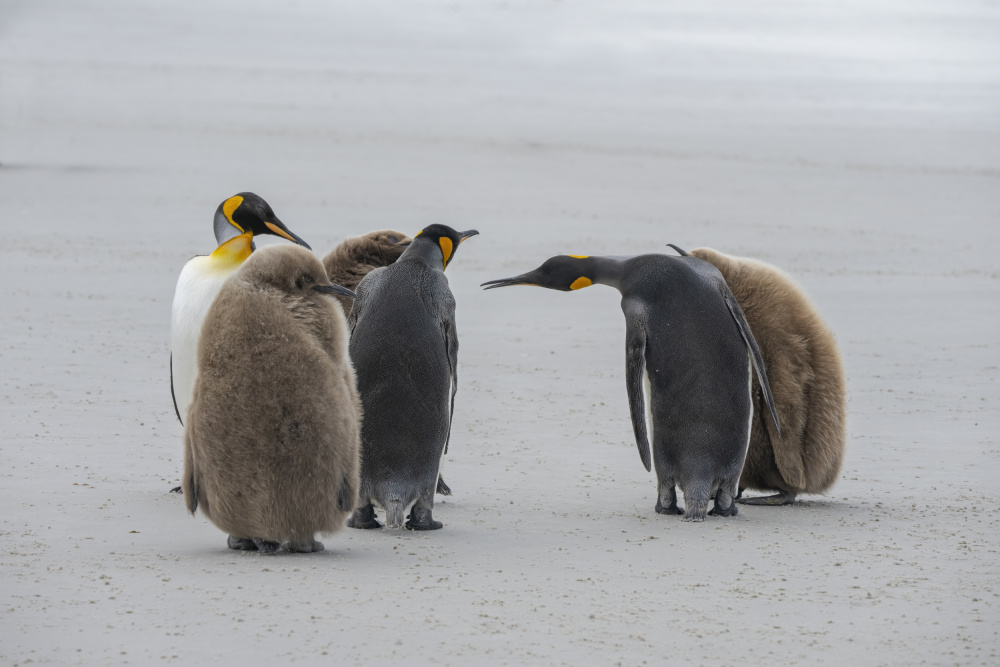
[635, 368]
[451, 345]
[755, 356]
[173, 395]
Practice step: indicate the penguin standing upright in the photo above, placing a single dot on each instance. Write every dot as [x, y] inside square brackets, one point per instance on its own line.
[273, 435]
[689, 354]
[404, 345]
[807, 378]
[236, 221]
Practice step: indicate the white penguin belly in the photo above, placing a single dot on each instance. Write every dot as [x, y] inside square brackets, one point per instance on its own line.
[197, 287]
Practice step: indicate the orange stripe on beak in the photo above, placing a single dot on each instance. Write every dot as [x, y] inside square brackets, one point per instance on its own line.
[280, 232]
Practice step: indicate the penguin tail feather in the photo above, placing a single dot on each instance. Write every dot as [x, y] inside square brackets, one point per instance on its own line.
[395, 514]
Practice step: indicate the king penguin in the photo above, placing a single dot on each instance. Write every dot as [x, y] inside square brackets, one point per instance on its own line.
[688, 359]
[807, 378]
[273, 434]
[237, 219]
[357, 256]
[404, 345]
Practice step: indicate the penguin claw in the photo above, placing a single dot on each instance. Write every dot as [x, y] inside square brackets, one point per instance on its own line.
[266, 547]
[241, 543]
[177, 489]
[775, 500]
[674, 510]
[443, 488]
[431, 525]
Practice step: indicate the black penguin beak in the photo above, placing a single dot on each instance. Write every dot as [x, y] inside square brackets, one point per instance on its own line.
[680, 251]
[465, 235]
[523, 279]
[404, 244]
[334, 288]
[278, 228]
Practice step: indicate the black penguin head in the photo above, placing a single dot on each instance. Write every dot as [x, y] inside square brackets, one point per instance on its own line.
[562, 272]
[442, 237]
[294, 271]
[246, 212]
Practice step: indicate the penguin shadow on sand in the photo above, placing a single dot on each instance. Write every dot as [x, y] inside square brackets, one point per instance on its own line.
[237, 220]
[272, 439]
[404, 345]
[690, 361]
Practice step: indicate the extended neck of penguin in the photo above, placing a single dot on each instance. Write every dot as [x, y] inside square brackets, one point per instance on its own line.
[424, 251]
[603, 270]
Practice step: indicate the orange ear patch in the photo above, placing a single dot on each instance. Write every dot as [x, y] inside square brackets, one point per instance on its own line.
[581, 282]
[446, 248]
[229, 207]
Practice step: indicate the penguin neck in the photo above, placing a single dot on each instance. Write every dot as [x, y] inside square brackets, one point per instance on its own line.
[605, 271]
[233, 252]
[425, 252]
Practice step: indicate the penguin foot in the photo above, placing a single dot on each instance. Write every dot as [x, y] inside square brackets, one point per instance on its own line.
[266, 547]
[241, 543]
[429, 525]
[177, 489]
[304, 547]
[672, 509]
[443, 488]
[364, 518]
[783, 498]
[732, 510]
[420, 517]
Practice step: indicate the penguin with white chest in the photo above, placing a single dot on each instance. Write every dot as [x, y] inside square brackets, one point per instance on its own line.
[689, 354]
[404, 345]
[272, 438]
[237, 220]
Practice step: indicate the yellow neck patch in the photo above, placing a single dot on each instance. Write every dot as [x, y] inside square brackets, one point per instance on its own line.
[579, 256]
[229, 207]
[581, 282]
[233, 252]
[446, 248]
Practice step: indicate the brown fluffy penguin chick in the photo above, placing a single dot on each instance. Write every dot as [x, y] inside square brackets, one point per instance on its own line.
[357, 256]
[272, 440]
[807, 379]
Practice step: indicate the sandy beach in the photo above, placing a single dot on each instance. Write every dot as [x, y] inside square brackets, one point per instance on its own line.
[856, 145]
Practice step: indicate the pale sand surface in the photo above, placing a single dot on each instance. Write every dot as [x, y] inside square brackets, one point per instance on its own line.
[856, 145]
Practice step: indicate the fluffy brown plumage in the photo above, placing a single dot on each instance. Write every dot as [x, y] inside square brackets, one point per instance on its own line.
[806, 377]
[357, 256]
[273, 435]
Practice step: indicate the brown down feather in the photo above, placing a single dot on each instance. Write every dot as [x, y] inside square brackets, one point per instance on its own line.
[273, 436]
[806, 377]
[357, 256]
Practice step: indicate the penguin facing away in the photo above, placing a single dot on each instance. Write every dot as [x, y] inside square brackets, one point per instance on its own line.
[404, 345]
[357, 256]
[807, 379]
[236, 221]
[689, 354]
[272, 439]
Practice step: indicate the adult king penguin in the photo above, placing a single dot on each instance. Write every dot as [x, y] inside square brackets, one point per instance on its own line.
[237, 220]
[355, 258]
[688, 353]
[273, 434]
[404, 345]
[807, 378]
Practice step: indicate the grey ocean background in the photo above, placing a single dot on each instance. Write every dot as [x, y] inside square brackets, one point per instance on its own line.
[854, 144]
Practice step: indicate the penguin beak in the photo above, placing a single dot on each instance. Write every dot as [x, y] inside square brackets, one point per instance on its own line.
[334, 288]
[404, 244]
[278, 228]
[523, 279]
[465, 235]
